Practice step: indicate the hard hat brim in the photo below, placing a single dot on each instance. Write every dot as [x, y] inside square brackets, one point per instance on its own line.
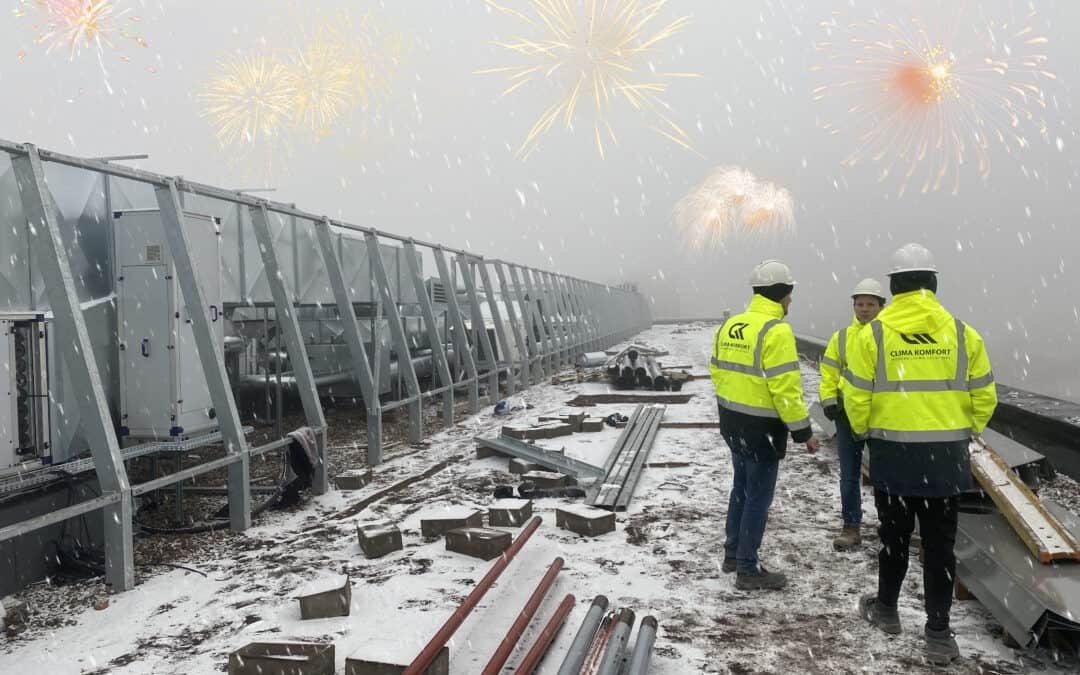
[912, 269]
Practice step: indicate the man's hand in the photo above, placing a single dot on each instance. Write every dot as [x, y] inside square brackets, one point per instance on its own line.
[813, 445]
[830, 412]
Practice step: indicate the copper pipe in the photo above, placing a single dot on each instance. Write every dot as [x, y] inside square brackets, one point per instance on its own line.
[543, 643]
[428, 654]
[510, 640]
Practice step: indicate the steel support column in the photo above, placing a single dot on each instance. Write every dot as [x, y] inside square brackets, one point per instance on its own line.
[525, 343]
[536, 318]
[438, 344]
[401, 343]
[289, 327]
[505, 352]
[210, 355]
[369, 388]
[49, 253]
[461, 337]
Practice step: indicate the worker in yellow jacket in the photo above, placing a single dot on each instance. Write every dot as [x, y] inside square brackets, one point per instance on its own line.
[755, 369]
[919, 386]
[867, 299]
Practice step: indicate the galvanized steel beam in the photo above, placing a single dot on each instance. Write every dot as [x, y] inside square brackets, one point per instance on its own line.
[48, 251]
[210, 355]
[525, 343]
[361, 365]
[461, 337]
[438, 346]
[397, 335]
[505, 352]
[285, 314]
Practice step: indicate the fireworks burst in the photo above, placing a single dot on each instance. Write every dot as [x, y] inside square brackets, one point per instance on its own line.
[733, 203]
[76, 24]
[263, 101]
[924, 102]
[596, 52]
[338, 69]
[250, 100]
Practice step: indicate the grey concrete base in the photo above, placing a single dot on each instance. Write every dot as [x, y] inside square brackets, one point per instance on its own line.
[546, 480]
[521, 466]
[282, 658]
[435, 525]
[592, 424]
[485, 452]
[478, 542]
[537, 431]
[353, 479]
[509, 512]
[334, 602]
[357, 664]
[585, 520]
[379, 539]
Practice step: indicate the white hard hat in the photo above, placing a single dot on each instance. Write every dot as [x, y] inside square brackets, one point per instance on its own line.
[770, 272]
[869, 287]
[912, 258]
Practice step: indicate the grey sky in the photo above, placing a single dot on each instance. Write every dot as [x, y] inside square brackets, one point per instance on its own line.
[438, 160]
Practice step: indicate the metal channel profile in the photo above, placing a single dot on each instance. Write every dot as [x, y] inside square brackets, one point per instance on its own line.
[1045, 537]
[627, 459]
[575, 468]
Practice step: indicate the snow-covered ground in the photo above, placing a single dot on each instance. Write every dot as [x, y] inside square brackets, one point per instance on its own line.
[663, 560]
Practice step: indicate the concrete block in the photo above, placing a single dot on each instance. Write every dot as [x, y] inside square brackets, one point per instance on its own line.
[478, 542]
[483, 452]
[321, 604]
[379, 539]
[435, 524]
[509, 512]
[354, 479]
[585, 520]
[282, 658]
[520, 466]
[537, 431]
[591, 424]
[16, 614]
[546, 480]
[368, 662]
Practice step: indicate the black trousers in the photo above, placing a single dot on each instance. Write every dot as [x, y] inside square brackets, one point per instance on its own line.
[937, 527]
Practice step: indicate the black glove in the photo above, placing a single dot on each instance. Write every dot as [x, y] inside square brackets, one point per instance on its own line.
[830, 412]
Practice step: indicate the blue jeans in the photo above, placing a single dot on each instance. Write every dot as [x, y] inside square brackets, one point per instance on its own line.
[748, 509]
[850, 451]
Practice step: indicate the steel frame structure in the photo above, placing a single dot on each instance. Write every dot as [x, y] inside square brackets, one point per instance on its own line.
[550, 317]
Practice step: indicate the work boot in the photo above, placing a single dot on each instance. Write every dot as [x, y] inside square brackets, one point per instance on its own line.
[850, 538]
[884, 618]
[941, 648]
[729, 566]
[761, 580]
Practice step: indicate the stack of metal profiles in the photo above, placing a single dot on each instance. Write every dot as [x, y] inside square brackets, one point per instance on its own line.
[627, 459]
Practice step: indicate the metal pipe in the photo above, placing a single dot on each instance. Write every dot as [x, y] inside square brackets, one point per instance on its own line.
[639, 661]
[612, 661]
[579, 648]
[428, 653]
[547, 636]
[591, 359]
[510, 640]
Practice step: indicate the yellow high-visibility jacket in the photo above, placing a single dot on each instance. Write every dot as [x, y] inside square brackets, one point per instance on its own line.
[834, 362]
[755, 366]
[918, 375]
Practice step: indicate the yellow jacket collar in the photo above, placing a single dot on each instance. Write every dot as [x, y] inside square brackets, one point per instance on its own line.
[759, 304]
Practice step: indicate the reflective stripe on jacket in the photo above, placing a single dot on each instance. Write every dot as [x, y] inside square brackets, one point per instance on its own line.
[834, 363]
[755, 365]
[918, 375]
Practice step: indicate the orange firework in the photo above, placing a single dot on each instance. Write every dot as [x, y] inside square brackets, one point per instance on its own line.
[75, 24]
[925, 101]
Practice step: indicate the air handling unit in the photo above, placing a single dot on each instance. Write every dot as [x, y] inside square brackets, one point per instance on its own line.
[163, 390]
